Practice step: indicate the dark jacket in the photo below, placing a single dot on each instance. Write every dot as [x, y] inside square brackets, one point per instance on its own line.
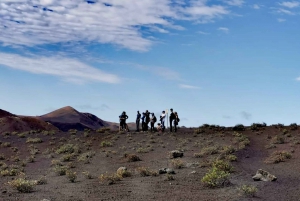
[138, 116]
[172, 116]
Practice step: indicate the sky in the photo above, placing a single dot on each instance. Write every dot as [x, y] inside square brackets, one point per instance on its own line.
[221, 62]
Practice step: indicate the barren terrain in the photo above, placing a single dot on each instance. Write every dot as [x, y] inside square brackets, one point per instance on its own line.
[101, 153]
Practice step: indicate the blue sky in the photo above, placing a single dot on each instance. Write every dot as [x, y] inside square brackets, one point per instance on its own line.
[219, 62]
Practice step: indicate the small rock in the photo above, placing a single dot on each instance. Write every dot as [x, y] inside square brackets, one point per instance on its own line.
[176, 154]
[262, 175]
[45, 200]
[193, 172]
[121, 170]
[166, 171]
[162, 171]
[170, 171]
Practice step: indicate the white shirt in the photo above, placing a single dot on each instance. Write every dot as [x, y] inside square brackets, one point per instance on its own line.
[163, 115]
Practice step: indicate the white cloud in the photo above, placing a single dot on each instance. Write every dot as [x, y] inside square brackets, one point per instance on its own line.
[285, 11]
[202, 32]
[70, 70]
[256, 6]
[185, 86]
[234, 2]
[290, 4]
[298, 78]
[224, 29]
[281, 20]
[38, 22]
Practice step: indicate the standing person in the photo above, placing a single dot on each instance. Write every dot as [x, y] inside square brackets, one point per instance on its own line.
[147, 114]
[123, 124]
[153, 120]
[138, 118]
[172, 118]
[143, 122]
[176, 120]
[162, 120]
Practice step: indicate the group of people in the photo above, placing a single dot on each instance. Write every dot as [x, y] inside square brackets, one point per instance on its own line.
[147, 118]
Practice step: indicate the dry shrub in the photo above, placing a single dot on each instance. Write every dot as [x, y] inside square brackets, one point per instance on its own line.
[177, 163]
[210, 150]
[41, 181]
[68, 149]
[123, 172]
[72, 176]
[278, 156]
[144, 172]
[228, 149]
[34, 140]
[109, 178]
[132, 157]
[22, 184]
[85, 157]
[248, 190]
[60, 170]
[87, 175]
[278, 140]
[106, 143]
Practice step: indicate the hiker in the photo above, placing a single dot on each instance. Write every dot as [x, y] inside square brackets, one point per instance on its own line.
[153, 120]
[143, 122]
[123, 124]
[162, 120]
[172, 118]
[176, 120]
[147, 114]
[138, 118]
[159, 129]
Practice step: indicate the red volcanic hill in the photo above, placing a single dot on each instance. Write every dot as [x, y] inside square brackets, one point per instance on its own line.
[11, 122]
[68, 118]
[4, 113]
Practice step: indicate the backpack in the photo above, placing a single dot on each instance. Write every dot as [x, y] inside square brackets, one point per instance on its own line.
[178, 120]
[154, 119]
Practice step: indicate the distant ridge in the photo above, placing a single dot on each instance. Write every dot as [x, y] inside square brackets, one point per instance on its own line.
[4, 113]
[68, 118]
[10, 122]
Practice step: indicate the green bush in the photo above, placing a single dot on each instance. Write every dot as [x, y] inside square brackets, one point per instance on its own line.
[60, 170]
[34, 140]
[216, 178]
[223, 165]
[68, 148]
[248, 190]
[106, 143]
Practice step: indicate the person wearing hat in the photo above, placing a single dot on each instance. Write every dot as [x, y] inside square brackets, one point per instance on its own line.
[138, 118]
[171, 118]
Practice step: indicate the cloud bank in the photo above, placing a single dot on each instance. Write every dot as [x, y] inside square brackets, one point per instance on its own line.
[122, 23]
[70, 70]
